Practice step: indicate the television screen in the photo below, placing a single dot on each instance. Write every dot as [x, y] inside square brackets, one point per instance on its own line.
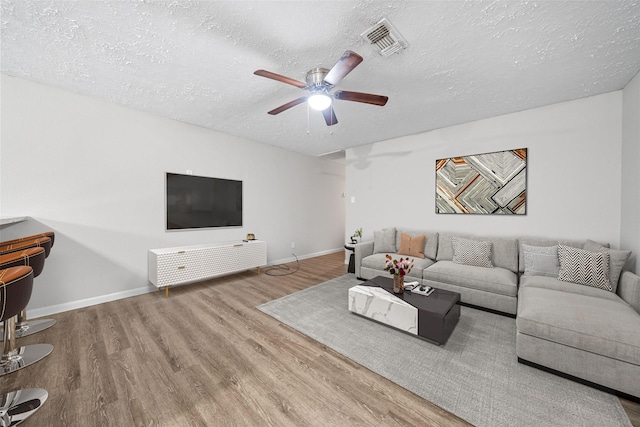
[202, 202]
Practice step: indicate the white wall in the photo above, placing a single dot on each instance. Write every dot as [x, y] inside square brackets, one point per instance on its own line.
[574, 159]
[94, 173]
[630, 222]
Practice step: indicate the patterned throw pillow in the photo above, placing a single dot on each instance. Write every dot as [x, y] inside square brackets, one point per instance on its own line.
[540, 260]
[584, 267]
[471, 252]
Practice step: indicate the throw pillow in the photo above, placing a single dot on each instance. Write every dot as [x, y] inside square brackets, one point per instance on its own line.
[584, 267]
[384, 241]
[592, 246]
[541, 261]
[412, 246]
[471, 252]
[617, 260]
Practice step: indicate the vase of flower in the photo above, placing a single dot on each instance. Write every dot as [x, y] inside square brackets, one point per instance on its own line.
[398, 284]
[398, 268]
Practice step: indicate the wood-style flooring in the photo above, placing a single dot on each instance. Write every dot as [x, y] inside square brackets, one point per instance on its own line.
[206, 356]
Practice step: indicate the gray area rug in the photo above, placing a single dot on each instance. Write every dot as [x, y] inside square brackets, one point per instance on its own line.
[475, 375]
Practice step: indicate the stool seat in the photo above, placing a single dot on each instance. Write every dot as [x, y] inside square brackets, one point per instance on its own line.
[16, 284]
[34, 258]
[49, 234]
[43, 242]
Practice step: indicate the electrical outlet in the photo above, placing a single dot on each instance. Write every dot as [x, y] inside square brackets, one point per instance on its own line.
[293, 245]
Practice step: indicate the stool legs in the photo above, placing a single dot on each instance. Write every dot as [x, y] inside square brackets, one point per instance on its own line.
[26, 327]
[17, 406]
[14, 358]
[8, 341]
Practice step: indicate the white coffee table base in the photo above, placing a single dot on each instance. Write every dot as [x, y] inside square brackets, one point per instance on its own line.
[381, 306]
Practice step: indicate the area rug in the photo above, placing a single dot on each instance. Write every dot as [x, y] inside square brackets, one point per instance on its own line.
[475, 375]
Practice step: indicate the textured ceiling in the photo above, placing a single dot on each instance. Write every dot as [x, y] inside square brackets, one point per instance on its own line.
[194, 60]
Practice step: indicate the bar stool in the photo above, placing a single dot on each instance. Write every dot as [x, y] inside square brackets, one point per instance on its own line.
[16, 284]
[43, 242]
[49, 234]
[17, 406]
[34, 258]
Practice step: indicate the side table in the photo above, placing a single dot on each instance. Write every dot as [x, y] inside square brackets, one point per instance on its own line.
[352, 259]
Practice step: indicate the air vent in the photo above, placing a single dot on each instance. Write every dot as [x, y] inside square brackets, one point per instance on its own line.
[385, 38]
[338, 155]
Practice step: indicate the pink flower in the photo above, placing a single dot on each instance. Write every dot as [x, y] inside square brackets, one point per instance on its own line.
[401, 267]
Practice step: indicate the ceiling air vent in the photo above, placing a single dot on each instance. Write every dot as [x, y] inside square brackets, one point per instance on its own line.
[338, 155]
[385, 38]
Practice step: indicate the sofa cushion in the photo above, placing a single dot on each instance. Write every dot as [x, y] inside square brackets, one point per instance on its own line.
[497, 280]
[412, 246]
[384, 241]
[471, 252]
[597, 325]
[558, 285]
[430, 242]
[378, 262]
[543, 242]
[541, 260]
[592, 246]
[504, 251]
[584, 267]
[617, 260]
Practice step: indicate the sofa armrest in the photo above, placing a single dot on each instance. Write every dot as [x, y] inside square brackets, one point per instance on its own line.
[362, 250]
[629, 289]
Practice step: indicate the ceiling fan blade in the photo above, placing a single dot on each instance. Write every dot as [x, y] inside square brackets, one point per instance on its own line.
[366, 98]
[288, 105]
[280, 78]
[330, 116]
[344, 66]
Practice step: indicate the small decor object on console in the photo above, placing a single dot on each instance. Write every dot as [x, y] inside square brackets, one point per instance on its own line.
[399, 269]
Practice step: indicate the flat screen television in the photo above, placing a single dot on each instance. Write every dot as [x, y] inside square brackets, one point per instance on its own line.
[202, 202]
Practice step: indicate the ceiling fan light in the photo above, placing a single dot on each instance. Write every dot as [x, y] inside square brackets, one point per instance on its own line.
[319, 101]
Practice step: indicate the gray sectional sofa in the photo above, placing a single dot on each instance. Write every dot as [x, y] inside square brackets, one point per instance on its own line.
[590, 332]
[493, 288]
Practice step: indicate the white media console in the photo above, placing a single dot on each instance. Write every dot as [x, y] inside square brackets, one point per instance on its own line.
[188, 264]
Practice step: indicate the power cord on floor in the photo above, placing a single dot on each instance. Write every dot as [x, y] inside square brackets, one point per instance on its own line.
[287, 271]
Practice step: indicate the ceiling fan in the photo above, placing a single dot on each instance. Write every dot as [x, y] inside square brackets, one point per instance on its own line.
[320, 82]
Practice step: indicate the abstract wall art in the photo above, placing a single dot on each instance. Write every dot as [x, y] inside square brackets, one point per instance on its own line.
[491, 183]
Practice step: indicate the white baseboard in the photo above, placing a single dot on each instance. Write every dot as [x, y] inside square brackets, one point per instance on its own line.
[313, 255]
[74, 305]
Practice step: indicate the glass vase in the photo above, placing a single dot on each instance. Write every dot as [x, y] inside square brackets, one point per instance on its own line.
[398, 284]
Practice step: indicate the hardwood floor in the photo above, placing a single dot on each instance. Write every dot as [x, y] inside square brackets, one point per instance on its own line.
[206, 356]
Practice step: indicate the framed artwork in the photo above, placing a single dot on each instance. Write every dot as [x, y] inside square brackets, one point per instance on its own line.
[490, 183]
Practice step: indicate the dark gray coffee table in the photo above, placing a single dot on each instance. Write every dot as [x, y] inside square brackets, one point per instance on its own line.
[438, 314]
